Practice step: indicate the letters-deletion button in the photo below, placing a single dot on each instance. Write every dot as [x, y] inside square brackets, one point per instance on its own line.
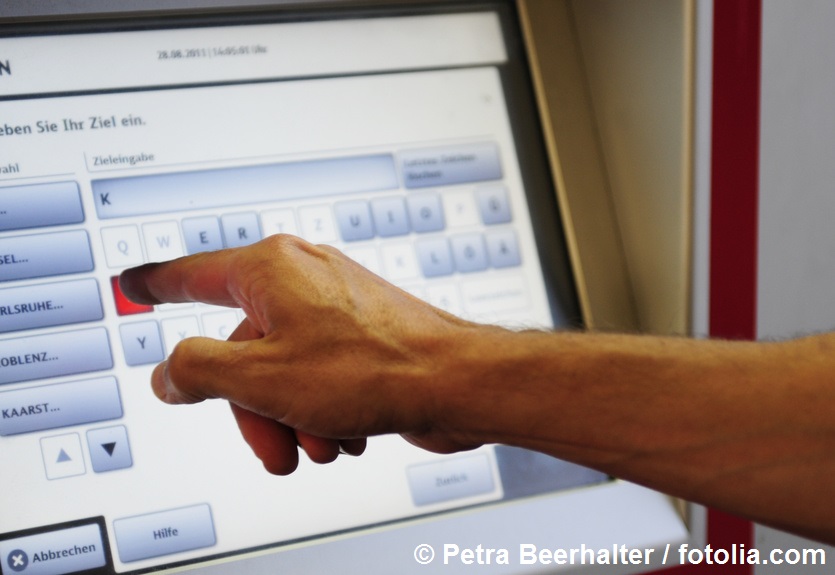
[60, 405]
[451, 165]
[55, 552]
[40, 205]
[42, 255]
[164, 533]
[450, 479]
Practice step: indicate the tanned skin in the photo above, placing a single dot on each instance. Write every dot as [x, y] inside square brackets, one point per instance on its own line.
[330, 354]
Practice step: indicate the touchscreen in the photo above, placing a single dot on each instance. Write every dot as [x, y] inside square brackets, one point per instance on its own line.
[389, 138]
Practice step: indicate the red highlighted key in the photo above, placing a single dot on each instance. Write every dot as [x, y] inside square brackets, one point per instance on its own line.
[123, 305]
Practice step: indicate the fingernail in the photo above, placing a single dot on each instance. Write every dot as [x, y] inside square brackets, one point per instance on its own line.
[159, 381]
[132, 285]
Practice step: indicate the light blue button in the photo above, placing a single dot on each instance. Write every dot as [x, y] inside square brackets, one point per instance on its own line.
[40, 205]
[141, 342]
[493, 204]
[451, 165]
[354, 219]
[240, 229]
[109, 448]
[435, 257]
[469, 253]
[390, 217]
[55, 354]
[164, 533]
[425, 212]
[503, 249]
[202, 235]
[42, 255]
[54, 552]
[448, 479]
[45, 305]
[60, 405]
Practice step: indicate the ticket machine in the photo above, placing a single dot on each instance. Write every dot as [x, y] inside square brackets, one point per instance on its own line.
[449, 147]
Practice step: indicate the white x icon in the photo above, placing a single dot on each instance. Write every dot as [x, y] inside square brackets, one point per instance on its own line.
[17, 560]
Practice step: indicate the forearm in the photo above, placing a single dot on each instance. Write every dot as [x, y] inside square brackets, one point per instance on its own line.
[741, 426]
[330, 354]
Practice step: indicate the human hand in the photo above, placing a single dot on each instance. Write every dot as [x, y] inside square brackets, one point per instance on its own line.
[328, 354]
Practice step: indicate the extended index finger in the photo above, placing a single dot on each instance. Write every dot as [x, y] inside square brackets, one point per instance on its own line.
[204, 277]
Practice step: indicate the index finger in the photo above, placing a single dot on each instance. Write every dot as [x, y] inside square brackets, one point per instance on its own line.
[203, 277]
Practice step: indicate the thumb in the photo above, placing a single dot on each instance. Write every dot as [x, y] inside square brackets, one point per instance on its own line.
[201, 368]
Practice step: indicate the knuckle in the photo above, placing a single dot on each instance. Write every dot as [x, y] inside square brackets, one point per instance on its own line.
[284, 243]
[330, 250]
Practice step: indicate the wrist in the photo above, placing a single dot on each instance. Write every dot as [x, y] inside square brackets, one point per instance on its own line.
[484, 384]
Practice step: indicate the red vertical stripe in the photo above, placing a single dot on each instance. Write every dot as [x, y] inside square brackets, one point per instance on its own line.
[735, 167]
[737, 38]
[737, 42]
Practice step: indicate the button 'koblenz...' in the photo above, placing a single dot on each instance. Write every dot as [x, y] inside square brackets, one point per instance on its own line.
[54, 355]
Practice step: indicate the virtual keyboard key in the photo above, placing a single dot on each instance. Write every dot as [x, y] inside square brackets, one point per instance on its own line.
[124, 306]
[503, 249]
[425, 212]
[460, 208]
[141, 342]
[279, 222]
[220, 325]
[354, 220]
[317, 224]
[469, 253]
[202, 235]
[390, 218]
[240, 229]
[493, 204]
[484, 299]
[435, 257]
[122, 247]
[109, 448]
[399, 262]
[163, 241]
[177, 329]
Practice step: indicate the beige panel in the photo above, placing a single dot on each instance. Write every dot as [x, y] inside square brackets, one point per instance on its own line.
[615, 86]
[637, 56]
[576, 159]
